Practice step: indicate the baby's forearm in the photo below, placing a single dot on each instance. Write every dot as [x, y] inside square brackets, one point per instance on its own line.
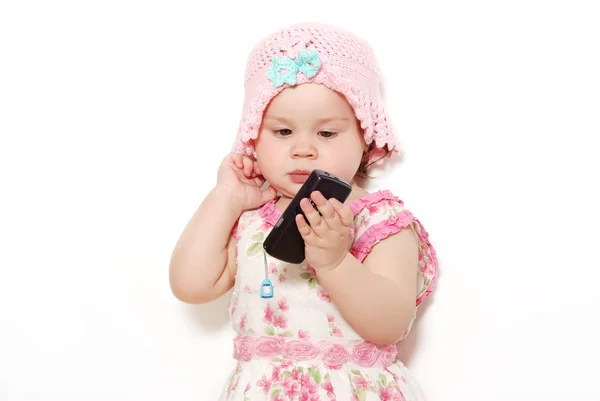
[375, 307]
[200, 255]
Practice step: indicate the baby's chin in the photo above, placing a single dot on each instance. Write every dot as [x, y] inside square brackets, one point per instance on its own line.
[287, 192]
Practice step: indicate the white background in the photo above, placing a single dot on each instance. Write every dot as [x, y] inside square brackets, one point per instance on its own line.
[114, 116]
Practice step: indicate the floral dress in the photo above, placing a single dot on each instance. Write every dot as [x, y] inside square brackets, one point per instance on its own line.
[296, 345]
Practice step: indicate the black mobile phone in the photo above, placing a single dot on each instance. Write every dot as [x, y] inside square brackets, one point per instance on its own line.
[284, 242]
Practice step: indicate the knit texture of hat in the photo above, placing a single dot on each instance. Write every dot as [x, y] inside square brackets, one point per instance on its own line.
[321, 54]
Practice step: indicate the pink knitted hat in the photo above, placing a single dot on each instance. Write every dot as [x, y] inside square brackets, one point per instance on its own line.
[321, 54]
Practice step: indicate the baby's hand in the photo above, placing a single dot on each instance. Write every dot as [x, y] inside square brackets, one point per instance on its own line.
[242, 179]
[326, 238]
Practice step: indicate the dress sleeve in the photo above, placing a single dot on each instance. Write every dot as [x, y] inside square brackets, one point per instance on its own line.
[380, 215]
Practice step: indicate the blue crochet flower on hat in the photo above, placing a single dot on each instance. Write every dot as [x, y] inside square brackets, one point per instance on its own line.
[283, 70]
[308, 62]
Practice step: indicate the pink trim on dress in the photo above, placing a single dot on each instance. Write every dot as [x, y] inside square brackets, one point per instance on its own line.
[375, 233]
[269, 212]
[428, 270]
[359, 204]
[333, 354]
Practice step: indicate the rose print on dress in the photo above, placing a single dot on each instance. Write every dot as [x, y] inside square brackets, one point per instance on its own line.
[265, 384]
[279, 273]
[313, 282]
[235, 379]
[243, 321]
[384, 386]
[362, 383]
[334, 330]
[386, 208]
[276, 319]
[288, 382]
[242, 324]
[282, 274]
[257, 245]
[311, 275]
[323, 296]
[248, 387]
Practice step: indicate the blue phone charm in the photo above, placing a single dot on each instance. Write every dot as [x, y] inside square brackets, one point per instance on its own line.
[266, 288]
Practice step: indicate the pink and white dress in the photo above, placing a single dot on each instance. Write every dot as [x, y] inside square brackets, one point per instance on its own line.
[296, 345]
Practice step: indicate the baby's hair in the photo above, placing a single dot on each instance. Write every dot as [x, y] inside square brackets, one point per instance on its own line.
[363, 168]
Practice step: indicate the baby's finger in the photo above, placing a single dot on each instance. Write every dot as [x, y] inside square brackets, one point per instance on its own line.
[306, 231]
[259, 181]
[236, 158]
[315, 220]
[248, 166]
[325, 208]
[346, 215]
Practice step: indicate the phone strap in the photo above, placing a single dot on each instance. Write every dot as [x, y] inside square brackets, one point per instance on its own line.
[266, 288]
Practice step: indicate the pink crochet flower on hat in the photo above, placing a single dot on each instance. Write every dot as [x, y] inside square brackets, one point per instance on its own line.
[298, 41]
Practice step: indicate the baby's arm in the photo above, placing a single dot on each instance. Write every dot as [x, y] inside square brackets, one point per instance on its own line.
[203, 264]
[377, 297]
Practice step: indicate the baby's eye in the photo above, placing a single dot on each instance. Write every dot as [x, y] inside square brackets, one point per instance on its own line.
[283, 132]
[327, 134]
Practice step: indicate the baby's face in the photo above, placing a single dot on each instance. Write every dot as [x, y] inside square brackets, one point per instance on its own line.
[308, 127]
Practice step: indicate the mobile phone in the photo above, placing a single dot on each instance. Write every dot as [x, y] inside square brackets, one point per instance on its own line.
[285, 242]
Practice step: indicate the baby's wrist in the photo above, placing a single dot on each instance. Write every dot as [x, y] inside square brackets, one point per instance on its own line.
[331, 267]
[228, 197]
